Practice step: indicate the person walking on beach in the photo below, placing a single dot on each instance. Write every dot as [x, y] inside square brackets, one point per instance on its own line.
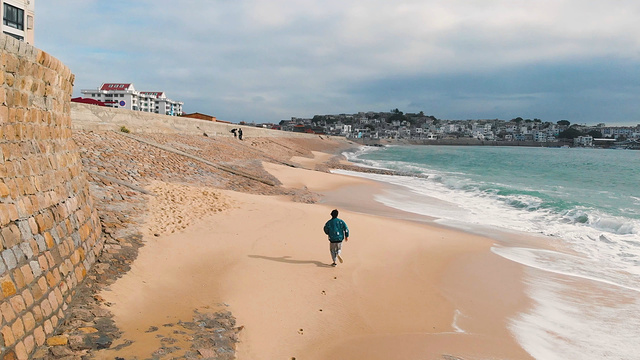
[337, 231]
[240, 134]
[234, 133]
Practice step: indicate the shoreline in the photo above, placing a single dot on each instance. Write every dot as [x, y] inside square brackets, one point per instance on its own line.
[358, 197]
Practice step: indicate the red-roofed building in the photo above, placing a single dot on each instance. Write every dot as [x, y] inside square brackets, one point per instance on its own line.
[200, 116]
[87, 101]
[124, 95]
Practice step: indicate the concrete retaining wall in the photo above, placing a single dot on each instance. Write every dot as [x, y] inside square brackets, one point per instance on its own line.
[49, 231]
[99, 118]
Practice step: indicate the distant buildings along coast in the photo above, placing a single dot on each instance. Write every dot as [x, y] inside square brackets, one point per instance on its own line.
[18, 19]
[125, 96]
[396, 125]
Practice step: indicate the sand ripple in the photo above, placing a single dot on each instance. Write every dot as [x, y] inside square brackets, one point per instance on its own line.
[176, 206]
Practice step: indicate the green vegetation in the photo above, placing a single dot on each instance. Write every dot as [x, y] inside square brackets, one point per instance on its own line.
[124, 129]
[570, 133]
[595, 134]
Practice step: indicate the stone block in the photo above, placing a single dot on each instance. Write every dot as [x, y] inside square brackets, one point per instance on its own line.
[48, 327]
[40, 337]
[11, 233]
[26, 249]
[46, 308]
[17, 302]
[40, 57]
[13, 212]
[42, 283]
[57, 341]
[27, 273]
[11, 61]
[25, 229]
[51, 279]
[42, 246]
[29, 343]
[58, 295]
[9, 79]
[8, 287]
[37, 314]
[51, 261]
[18, 278]
[4, 189]
[21, 351]
[10, 355]
[80, 272]
[4, 110]
[48, 239]
[4, 215]
[42, 260]
[9, 259]
[19, 254]
[18, 328]
[37, 292]
[7, 335]
[28, 297]
[40, 223]
[29, 322]
[7, 311]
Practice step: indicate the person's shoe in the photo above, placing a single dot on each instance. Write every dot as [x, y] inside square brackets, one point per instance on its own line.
[340, 258]
[334, 264]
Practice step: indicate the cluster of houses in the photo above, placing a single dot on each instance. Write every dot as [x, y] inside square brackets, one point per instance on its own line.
[396, 125]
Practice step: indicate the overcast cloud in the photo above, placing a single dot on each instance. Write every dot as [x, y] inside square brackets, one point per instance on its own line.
[264, 61]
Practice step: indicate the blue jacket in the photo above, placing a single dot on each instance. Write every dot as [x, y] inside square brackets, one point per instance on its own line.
[336, 229]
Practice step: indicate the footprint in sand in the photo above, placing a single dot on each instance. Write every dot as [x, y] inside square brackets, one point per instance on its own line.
[301, 331]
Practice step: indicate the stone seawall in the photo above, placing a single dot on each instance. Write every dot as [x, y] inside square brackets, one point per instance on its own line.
[49, 230]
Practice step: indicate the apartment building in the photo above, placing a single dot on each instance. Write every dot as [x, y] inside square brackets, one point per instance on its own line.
[125, 96]
[18, 19]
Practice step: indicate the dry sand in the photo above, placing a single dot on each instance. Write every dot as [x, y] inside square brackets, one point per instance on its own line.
[407, 290]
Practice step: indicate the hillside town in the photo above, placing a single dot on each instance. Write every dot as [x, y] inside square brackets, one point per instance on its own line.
[396, 125]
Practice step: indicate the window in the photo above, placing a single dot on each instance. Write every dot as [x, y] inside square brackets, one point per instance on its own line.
[13, 17]
[14, 35]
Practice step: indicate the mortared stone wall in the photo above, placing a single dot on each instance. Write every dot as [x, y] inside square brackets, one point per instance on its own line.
[49, 229]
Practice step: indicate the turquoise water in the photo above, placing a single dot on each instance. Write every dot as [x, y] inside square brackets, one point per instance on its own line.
[586, 202]
[559, 179]
[597, 191]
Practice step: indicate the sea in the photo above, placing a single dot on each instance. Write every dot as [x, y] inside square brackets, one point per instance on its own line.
[582, 208]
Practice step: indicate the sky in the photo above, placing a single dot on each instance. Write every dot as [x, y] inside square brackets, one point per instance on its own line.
[270, 60]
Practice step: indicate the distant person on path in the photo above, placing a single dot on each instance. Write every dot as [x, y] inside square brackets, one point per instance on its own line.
[234, 133]
[337, 231]
[240, 134]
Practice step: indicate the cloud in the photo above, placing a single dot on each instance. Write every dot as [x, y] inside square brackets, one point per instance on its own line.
[270, 60]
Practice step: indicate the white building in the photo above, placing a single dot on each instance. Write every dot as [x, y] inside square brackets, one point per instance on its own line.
[18, 19]
[539, 136]
[583, 141]
[125, 96]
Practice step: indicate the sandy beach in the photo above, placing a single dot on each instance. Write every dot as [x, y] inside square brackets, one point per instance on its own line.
[407, 289]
